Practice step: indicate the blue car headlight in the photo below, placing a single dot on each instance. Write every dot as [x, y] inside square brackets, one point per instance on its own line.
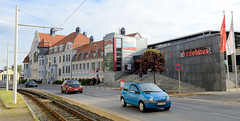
[150, 99]
[168, 98]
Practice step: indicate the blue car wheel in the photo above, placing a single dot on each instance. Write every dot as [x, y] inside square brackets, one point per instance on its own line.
[141, 106]
[123, 103]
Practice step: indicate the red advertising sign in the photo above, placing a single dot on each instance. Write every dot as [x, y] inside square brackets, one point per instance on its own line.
[195, 52]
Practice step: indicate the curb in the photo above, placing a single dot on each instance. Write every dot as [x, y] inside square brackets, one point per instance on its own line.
[5, 104]
[30, 109]
[213, 101]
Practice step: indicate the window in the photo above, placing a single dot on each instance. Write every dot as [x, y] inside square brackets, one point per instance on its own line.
[99, 66]
[80, 66]
[68, 69]
[94, 54]
[66, 58]
[35, 57]
[25, 66]
[63, 69]
[42, 62]
[73, 66]
[76, 66]
[59, 59]
[54, 59]
[84, 66]
[69, 57]
[93, 65]
[101, 53]
[133, 88]
[63, 58]
[87, 65]
[68, 47]
[126, 87]
[59, 72]
[51, 50]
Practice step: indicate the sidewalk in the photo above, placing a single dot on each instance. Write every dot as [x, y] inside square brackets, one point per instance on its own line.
[231, 96]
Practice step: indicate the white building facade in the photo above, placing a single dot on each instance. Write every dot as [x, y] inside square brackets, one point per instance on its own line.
[75, 56]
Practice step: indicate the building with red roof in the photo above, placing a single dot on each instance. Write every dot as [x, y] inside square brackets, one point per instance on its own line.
[75, 56]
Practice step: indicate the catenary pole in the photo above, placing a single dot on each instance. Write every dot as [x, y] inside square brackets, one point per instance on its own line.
[15, 58]
[7, 68]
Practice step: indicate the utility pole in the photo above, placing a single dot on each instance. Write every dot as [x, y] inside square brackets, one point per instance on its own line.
[7, 68]
[15, 58]
[16, 52]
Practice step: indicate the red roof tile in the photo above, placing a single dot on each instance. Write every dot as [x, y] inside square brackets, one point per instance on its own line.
[26, 59]
[44, 43]
[48, 40]
[93, 47]
[78, 39]
[132, 35]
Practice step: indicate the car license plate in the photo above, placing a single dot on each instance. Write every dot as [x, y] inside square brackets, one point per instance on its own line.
[75, 89]
[161, 103]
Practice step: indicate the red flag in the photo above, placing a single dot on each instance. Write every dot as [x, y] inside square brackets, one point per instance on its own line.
[223, 36]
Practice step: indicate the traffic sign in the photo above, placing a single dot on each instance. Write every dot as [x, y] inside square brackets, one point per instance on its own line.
[178, 67]
[92, 71]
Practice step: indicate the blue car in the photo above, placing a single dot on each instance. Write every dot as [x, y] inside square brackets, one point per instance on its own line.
[144, 95]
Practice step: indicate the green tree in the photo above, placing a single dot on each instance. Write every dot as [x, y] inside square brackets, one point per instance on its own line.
[19, 68]
[154, 60]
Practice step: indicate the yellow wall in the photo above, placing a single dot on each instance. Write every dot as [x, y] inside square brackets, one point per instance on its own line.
[10, 72]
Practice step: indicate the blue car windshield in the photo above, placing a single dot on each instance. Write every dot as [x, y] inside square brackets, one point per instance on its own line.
[149, 87]
[73, 82]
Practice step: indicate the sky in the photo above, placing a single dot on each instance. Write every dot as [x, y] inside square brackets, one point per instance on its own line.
[155, 20]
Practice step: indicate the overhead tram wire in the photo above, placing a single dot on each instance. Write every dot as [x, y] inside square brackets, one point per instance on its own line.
[72, 14]
[37, 18]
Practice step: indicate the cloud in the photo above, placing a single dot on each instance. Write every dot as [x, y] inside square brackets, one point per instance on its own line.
[156, 20]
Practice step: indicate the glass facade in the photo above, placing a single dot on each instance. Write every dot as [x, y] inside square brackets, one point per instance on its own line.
[108, 55]
[119, 53]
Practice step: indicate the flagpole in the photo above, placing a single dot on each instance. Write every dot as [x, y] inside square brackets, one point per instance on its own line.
[235, 57]
[231, 41]
[227, 66]
[226, 56]
[236, 71]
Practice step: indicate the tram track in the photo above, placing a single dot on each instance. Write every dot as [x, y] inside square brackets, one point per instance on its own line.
[62, 110]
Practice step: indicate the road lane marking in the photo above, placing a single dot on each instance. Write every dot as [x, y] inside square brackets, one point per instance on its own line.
[226, 115]
[183, 107]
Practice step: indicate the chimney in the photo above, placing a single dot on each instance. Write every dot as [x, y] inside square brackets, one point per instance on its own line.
[77, 30]
[122, 31]
[84, 33]
[52, 32]
[91, 40]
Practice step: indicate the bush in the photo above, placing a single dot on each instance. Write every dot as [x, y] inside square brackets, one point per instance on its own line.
[58, 82]
[84, 81]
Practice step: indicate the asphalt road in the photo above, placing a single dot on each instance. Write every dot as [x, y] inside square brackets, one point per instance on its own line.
[181, 110]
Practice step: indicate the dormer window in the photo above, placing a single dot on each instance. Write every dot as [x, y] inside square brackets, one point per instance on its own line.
[51, 51]
[55, 49]
[101, 53]
[94, 54]
[75, 57]
[68, 47]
